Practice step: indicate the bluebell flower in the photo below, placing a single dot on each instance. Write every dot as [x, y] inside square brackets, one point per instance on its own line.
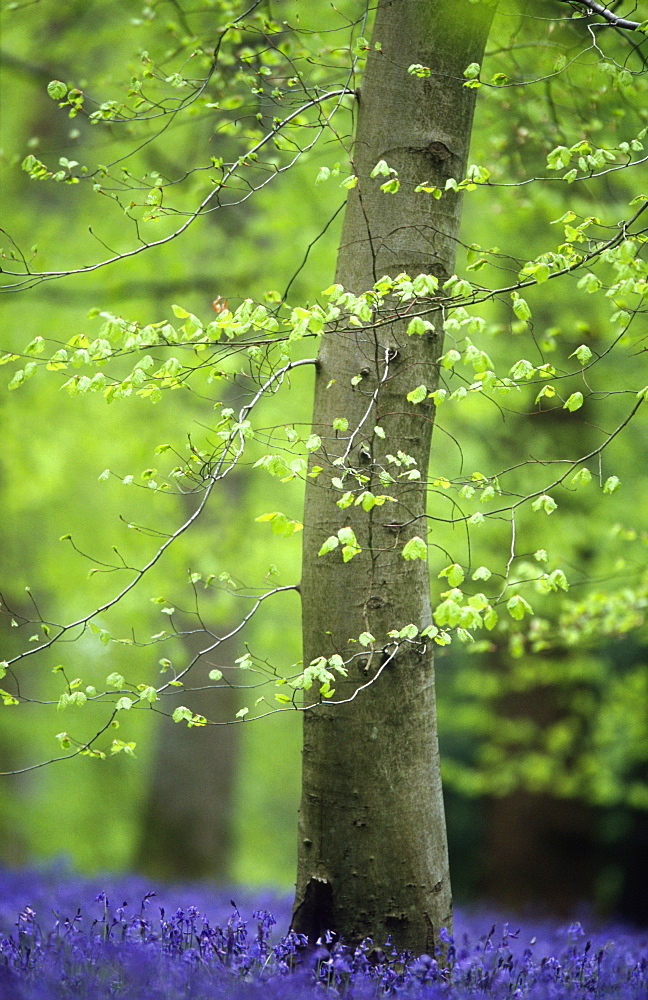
[53, 946]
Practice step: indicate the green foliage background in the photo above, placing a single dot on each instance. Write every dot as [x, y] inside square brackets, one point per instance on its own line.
[594, 745]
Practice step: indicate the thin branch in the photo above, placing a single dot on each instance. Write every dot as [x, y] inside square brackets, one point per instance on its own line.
[230, 635]
[612, 18]
[572, 464]
[217, 474]
[30, 278]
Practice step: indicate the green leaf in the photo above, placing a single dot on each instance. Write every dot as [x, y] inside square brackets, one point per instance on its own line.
[574, 402]
[118, 746]
[281, 525]
[182, 712]
[115, 680]
[582, 477]
[350, 547]
[520, 307]
[417, 395]
[545, 503]
[429, 189]
[415, 549]
[276, 465]
[425, 284]
[462, 288]
[454, 574]
[583, 354]
[36, 346]
[559, 158]
[57, 90]
[123, 703]
[518, 607]
[448, 612]
[22, 375]
[418, 325]
[367, 499]
[337, 663]
[611, 484]
[557, 579]
[450, 358]
[382, 169]
[590, 283]
[490, 618]
[538, 270]
[482, 573]
[366, 638]
[331, 543]
[547, 391]
[347, 536]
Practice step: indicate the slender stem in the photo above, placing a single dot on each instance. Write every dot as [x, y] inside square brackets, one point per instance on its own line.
[612, 18]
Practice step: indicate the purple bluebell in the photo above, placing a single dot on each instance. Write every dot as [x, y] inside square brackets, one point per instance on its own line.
[61, 939]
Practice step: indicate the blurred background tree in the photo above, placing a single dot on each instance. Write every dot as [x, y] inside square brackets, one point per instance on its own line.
[545, 749]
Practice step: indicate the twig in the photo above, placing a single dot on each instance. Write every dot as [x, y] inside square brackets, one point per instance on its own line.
[598, 8]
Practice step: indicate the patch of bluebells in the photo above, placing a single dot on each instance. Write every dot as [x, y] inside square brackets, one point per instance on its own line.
[71, 942]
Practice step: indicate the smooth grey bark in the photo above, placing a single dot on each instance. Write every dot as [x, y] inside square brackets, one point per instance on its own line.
[372, 852]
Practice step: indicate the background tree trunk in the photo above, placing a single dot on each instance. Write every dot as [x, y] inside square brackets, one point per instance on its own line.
[372, 840]
[185, 829]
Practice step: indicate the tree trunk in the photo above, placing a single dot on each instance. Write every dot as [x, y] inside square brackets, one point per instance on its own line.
[372, 852]
[185, 828]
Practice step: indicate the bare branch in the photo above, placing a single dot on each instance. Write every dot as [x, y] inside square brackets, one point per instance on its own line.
[612, 18]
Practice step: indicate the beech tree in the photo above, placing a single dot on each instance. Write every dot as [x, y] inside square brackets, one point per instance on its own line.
[375, 866]
[403, 331]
